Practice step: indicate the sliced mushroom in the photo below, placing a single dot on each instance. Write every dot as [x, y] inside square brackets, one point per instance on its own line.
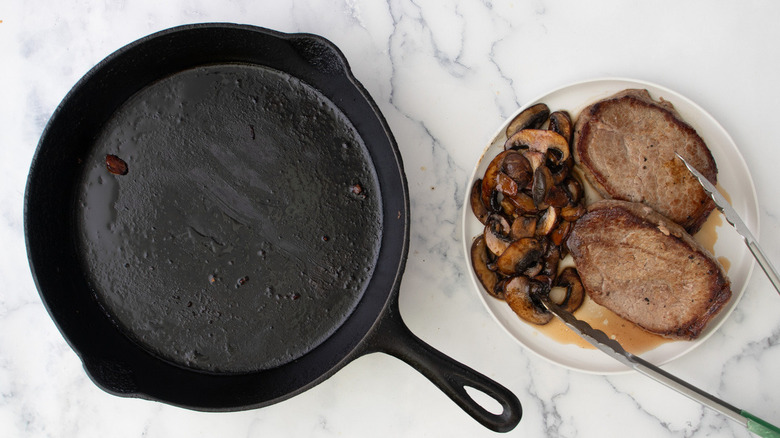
[533, 271]
[531, 117]
[519, 256]
[543, 182]
[507, 207]
[547, 222]
[523, 226]
[528, 200]
[562, 170]
[505, 184]
[535, 158]
[560, 122]
[490, 179]
[559, 235]
[519, 293]
[556, 197]
[574, 190]
[524, 203]
[552, 258]
[544, 281]
[497, 231]
[477, 207]
[575, 292]
[500, 289]
[549, 143]
[517, 167]
[480, 258]
[572, 212]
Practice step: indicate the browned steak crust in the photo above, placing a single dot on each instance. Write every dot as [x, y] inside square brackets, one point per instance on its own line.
[647, 269]
[626, 146]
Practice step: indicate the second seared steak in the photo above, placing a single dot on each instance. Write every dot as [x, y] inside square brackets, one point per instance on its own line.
[647, 269]
[626, 144]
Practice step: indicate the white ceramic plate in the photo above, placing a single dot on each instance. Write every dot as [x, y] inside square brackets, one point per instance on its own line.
[733, 177]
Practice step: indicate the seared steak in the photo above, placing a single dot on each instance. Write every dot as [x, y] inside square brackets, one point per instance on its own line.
[626, 146]
[647, 269]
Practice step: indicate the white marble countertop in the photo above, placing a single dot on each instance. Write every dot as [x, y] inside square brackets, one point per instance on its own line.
[445, 75]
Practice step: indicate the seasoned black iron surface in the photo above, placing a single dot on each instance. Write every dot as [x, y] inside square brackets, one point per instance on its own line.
[246, 227]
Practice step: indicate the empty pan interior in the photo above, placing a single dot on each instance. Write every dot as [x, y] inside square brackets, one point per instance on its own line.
[246, 227]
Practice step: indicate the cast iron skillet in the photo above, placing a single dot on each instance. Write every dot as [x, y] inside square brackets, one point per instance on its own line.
[217, 218]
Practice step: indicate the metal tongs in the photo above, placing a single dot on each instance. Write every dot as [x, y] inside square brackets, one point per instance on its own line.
[600, 340]
[733, 218]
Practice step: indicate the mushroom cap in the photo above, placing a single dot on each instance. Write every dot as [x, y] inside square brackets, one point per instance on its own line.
[490, 179]
[531, 117]
[497, 230]
[575, 291]
[560, 122]
[547, 222]
[519, 294]
[480, 258]
[519, 256]
[477, 207]
[544, 141]
[542, 184]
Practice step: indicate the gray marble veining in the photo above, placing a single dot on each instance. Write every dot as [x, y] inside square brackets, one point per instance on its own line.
[445, 75]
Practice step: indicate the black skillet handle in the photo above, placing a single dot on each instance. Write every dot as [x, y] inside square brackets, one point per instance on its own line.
[394, 338]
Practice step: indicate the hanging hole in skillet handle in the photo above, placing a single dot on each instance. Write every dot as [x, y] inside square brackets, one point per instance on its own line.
[319, 53]
[489, 403]
[466, 387]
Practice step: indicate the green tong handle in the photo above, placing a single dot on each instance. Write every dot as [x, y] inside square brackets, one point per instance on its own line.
[754, 424]
[760, 427]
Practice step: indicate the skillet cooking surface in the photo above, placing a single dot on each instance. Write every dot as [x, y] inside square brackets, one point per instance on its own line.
[246, 227]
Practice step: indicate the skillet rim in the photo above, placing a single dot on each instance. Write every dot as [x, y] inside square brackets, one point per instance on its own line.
[225, 391]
